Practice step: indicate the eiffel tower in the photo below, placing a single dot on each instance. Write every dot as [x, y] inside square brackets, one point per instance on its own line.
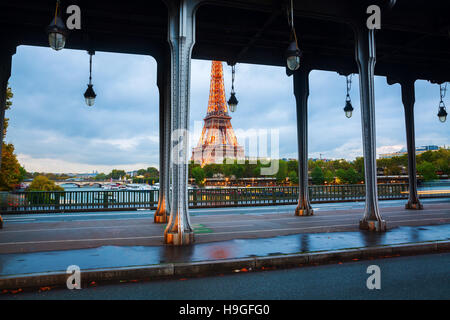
[218, 141]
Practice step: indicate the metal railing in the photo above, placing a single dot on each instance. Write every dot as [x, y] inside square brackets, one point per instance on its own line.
[77, 201]
[289, 195]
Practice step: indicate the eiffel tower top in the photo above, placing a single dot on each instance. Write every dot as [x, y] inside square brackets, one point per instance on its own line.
[217, 105]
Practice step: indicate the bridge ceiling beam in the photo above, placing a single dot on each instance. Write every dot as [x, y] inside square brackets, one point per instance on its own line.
[414, 34]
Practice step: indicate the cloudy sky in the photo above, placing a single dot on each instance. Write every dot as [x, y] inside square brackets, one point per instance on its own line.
[54, 131]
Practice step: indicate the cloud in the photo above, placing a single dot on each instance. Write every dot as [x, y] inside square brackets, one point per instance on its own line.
[53, 130]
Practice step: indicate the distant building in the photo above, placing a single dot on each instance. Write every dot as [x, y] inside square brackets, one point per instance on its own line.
[320, 159]
[86, 175]
[402, 152]
[132, 173]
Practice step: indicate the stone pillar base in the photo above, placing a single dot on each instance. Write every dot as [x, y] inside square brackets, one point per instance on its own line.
[178, 239]
[373, 225]
[414, 205]
[304, 211]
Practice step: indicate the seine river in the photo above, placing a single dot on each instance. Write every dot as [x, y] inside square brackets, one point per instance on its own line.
[424, 186]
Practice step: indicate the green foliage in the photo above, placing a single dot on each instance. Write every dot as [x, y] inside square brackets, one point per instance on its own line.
[282, 171]
[100, 177]
[358, 164]
[42, 183]
[150, 172]
[427, 170]
[348, 176]
[329, 176]
[317, 176]
[116, 174]
[293, 166]
[293, 178]
[199, 175]
[440, 159]
[325, 171]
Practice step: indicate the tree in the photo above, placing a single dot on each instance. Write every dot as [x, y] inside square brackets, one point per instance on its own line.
[358, 164]
[238, 170]
[116, 174]
[152, 172]
[317, 176]
[293, 177]
[42, 183]
[427, 170]
[282, 170]
[293, 166]
[199, 175]
[141, 172]
[352, 176]
[10, 172]
[329, 176]
[100, 177]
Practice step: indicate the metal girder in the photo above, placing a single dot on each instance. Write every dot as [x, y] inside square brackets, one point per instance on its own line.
[181, 39]
[301, 92]
[163, 81]
[5, 73]
[365, 54]
[408, 98]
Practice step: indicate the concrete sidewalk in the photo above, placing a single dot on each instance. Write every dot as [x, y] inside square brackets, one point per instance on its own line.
[119, 249]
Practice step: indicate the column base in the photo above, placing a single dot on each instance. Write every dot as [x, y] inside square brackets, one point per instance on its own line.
[304, 211]
[373, 225]
[178, 239]
[161, 216]
[414, 205]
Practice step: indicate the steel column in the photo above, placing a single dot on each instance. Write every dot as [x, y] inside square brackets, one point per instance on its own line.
[408, 99]
[365, 57]
[301, 92]
[163, 82]
[5, 73]
[181, 40]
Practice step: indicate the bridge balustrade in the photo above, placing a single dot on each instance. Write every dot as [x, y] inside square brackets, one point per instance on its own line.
[99, 200]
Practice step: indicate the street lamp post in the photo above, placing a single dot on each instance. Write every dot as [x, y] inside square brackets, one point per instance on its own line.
[293, 53]
[232, 102]
[348, 109]
[442, 113]
[57, 31]
[89, 94]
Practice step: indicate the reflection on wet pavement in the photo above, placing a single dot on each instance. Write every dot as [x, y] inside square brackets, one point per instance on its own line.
[122, 256]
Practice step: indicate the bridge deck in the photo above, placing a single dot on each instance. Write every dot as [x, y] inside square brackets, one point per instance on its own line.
[41, 232]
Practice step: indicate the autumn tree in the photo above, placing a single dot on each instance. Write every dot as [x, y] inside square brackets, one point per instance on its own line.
[11, 173]
[42, 183]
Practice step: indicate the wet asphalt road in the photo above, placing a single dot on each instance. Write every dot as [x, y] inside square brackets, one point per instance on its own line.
[414, 277]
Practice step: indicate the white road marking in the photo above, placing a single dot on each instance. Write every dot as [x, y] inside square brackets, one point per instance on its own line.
[78, 240]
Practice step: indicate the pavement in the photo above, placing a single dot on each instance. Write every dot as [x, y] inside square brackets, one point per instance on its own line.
[414, 277]
[48, 243]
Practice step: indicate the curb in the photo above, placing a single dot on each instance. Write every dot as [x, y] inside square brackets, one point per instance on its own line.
[204, 268]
